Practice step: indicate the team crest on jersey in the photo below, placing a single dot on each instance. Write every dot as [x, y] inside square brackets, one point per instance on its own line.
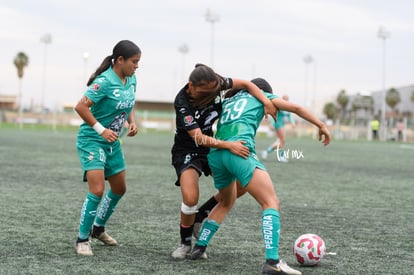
[96, 87]
[118, 122]
[188, 120]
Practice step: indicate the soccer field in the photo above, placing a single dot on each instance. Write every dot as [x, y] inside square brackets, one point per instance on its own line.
[358, 196]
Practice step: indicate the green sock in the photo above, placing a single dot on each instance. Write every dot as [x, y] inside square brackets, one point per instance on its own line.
[107, 207]
[271, 232]
[88, 214]
[269, 149]
[207, 232]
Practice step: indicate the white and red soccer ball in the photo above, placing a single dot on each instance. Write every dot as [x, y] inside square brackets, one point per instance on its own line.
[309, 249]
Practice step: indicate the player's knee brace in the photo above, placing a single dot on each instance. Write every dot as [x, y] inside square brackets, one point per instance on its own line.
[188, 210]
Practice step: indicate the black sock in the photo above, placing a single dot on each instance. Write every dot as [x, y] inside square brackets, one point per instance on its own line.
[272, 261]
[81, 240]
[205, 209]
[97, 230]
[186, 234]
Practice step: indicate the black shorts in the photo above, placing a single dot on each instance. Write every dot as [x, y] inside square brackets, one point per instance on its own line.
[182, 162]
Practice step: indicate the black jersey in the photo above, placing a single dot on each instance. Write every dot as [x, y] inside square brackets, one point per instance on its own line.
[189, 118]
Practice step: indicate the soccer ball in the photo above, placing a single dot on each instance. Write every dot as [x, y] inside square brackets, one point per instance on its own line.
[309, 249]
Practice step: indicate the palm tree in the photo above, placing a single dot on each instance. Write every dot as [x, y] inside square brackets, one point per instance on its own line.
[21, 61]
[330, 110]
[342, 101]
[392, 99]
[362, 107]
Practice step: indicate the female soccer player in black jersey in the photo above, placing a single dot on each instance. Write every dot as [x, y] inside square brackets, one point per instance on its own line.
[197, 106]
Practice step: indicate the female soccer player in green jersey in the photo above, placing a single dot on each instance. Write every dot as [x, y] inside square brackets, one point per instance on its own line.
[239, 120]
[105, 107]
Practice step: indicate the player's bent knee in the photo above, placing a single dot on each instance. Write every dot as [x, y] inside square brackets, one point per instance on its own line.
[188, 210]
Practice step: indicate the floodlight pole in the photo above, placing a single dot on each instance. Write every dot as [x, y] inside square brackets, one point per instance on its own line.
[307, 59]
[20, 104]
[183, 49]
[212, 18]
[46, 39]
[384, 35]
[85, 58]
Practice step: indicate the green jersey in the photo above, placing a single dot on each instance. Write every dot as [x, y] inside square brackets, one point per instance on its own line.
[112, 103]
[240, 118]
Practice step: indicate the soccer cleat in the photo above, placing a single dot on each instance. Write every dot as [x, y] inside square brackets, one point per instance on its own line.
[180, 253]
[196, 229]
[264, 154]
[280, 268]
[103, 237]
[204, 256]
[282, 159]
[199, 252]
[84, 248]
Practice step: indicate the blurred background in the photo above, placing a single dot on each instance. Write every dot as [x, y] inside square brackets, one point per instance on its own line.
[349, 62]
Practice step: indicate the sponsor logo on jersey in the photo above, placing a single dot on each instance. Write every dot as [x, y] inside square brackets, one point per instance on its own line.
[116, 93]
[198, 114]
[124, 104]
[210, 118]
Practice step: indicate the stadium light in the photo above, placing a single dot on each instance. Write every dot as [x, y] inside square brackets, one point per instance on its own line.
[46, 39]
[212, 18]
[85, 58]
[308, 59]
[183, 49]
[383, 34]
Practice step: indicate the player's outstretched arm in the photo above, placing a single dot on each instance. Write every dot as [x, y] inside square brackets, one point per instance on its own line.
[324, 135]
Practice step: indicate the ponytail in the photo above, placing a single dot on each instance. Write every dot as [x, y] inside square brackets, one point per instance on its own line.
[106, 63]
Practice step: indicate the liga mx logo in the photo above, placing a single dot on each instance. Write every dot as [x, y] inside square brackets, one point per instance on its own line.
[188, 120]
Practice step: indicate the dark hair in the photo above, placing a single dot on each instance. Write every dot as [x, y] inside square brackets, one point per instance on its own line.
[202, 75]
[262, 84]
[124, 48]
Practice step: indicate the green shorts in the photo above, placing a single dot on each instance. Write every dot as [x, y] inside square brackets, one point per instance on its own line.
[279, 124]
[226, 167]
[100, 156]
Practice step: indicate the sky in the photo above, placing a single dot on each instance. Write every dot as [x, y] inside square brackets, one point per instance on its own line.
[261, 38]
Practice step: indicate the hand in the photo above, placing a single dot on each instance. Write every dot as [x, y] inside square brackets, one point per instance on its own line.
[324, 135]
[109, 135]
[270, 109]
[238, 148]
[132, 129]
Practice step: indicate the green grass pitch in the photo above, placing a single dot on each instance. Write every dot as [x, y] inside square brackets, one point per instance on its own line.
[358, 196]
